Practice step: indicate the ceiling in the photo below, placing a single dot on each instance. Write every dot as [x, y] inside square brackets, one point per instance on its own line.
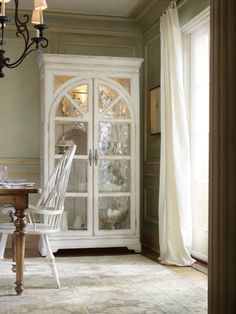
[122, 8]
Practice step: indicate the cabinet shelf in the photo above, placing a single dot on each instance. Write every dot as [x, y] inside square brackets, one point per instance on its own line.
[68, 119]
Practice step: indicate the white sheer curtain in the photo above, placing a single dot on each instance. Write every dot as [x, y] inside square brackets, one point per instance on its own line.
[175, 222]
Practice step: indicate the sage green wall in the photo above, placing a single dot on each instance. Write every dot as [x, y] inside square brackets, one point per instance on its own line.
[19, 108]
[151, 159]
[20, 89]
[77, 34]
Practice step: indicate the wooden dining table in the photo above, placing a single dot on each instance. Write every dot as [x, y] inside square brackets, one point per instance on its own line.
[18, 197]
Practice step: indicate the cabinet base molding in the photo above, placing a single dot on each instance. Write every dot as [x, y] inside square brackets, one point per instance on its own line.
[132, 243]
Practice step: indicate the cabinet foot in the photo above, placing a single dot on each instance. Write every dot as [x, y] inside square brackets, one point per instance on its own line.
[136, 247]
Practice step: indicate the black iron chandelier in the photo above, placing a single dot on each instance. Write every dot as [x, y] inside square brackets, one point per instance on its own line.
[30, 44]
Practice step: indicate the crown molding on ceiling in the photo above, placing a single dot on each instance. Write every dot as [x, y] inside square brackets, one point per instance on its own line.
[147, 7]
[95, 32]
[121, 8]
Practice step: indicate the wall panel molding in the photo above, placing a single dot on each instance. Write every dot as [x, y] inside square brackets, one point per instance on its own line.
[152, 174]
[94, 32]
[22, 168]
[150, 240]
[19, 161]
[66, 43]
[148, 216]
[153, 28]
[147, 87]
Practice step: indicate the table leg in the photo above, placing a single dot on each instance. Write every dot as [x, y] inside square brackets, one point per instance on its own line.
[13, 249]
[19, 234]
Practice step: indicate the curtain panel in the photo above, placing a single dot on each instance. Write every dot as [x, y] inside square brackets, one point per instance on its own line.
[175, 219]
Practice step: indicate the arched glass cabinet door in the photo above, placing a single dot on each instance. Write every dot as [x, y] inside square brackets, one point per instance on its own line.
[73, 114]
[113, 150]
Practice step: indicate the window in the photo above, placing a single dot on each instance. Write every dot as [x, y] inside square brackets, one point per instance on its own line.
[197, 90]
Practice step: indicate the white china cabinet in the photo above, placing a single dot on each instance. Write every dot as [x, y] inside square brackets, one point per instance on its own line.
[94, 103]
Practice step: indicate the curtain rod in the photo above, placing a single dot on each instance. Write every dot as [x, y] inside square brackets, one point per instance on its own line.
[177, 3]
[180, 3]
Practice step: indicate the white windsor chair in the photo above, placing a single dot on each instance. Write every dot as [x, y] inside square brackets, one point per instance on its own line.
[45, 217]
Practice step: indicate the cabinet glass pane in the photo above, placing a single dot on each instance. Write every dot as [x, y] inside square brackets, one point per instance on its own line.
[114, 176]
[60, 80]
[78, 176]
[75, 214]
[114, 213]
[114, 138]
[80, 95]
[106, 97]
[118, 111]
[66, 109]
[125, 82]
[71, 132]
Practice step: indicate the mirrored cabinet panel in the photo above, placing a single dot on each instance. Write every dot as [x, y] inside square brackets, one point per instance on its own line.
[114, 176]
[78, 180]
[66, 109]
[71, 132]
[114, 213]
[94, 103]
[75, 215]
[114, 138]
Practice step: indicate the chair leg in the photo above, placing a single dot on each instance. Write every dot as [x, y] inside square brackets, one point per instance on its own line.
[3, 245]
[51, 260]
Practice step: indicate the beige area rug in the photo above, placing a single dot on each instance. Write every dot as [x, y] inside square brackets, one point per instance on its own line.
[127, 284]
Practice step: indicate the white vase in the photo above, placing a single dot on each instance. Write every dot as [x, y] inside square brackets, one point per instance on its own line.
[79, 222]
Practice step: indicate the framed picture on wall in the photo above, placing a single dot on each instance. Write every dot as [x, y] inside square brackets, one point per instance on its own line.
[155, 110]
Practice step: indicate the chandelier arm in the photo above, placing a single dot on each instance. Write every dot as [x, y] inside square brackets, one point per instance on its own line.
[25, 53]
[38, 42]
[26, 16]
[44, 42]
[19, 61]
[21, 30]
[21, 25]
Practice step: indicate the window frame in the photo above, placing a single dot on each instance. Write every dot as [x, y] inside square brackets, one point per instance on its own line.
[187, 30]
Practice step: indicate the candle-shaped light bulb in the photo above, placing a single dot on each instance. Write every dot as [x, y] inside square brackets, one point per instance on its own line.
[3, 8]
[41, 16]
[40, 4]
[36, 20]
[35, 17]
[3, 11]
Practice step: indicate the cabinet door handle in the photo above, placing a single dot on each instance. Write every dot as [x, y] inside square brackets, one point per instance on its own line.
[96, 157]
[90, 158]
